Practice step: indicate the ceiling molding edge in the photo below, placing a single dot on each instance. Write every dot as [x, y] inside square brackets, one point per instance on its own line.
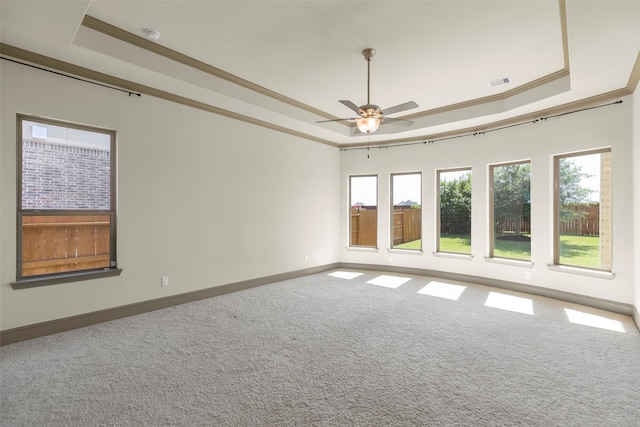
[564, 32]
[139, 41]
[564, 72]
[634, 76]
[76, 70]
[524, 118]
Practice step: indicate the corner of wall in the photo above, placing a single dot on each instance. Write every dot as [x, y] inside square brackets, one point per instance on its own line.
[636, 201]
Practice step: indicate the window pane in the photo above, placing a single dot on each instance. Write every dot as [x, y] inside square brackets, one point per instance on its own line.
[455, 211]
[584, 211]
[364, 211]
[65, 168]
[57, 244]
[406, 190]
[66, 207]
[512, 211]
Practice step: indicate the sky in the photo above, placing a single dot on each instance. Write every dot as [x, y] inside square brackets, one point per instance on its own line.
[591, 165]
[407, 187]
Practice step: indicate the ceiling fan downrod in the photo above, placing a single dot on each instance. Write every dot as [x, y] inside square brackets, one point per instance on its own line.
[368, 55]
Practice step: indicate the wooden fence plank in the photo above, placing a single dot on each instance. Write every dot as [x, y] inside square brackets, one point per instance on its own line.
[58, 243]
[407, 225]
[364, 227]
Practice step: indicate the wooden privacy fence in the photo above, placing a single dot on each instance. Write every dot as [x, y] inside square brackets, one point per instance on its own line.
[56, 244]
[512, 225]
[581, 227]
[406, 225]
[364, 227]
[587, 225]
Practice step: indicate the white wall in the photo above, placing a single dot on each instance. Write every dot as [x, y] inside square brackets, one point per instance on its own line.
[607, 126]
[210, 201]
[202, 199]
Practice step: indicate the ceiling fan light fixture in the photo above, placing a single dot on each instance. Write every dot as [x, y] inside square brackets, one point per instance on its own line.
[368, 124]
[371, 116]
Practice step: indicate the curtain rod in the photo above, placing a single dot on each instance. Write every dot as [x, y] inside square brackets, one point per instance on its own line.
[72, 77]
[431, 141]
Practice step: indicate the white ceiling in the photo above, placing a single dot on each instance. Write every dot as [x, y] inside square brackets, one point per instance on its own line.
[436, 53]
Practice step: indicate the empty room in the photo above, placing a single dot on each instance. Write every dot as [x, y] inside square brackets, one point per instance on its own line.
[319, 213]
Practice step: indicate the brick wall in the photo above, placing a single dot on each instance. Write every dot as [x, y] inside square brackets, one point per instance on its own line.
[606, 219]
[56, 176]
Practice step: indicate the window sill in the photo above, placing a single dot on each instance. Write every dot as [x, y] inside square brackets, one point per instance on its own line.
[76, 276]
[405, 251]
[466, 257]
[513, 262]
[362, 248]
[582, 271]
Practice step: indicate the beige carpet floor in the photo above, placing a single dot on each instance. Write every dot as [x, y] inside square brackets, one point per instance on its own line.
[335, 349]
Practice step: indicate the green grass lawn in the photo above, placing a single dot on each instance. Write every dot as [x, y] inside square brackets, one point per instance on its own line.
[515, 249]
[448, 243]
[456, 243]
[414, 244]
[579, 251]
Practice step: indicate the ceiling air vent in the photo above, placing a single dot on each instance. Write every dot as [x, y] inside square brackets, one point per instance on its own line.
[499, 82]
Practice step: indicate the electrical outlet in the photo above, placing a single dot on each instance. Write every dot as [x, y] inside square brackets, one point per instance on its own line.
[165, 281]
[527, 275]
[306, 258]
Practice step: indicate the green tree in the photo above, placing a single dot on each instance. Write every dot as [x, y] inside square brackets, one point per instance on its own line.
[512, 194]
[455, 205]
[571, 192]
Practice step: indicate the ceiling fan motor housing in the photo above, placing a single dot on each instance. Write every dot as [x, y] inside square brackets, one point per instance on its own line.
[370, 110]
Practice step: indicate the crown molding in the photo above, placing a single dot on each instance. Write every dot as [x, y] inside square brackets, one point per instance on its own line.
[75, 70]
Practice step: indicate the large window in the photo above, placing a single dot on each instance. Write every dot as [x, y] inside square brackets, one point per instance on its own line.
[406, 216]
[66, 200]
[363, 218]
[583, 209]
[511, 210]
[454, 206]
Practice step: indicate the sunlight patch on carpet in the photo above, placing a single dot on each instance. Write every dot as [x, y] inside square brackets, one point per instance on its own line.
[345, 274]
[389, 281]
[509, 303]
[443, 290]
[582, 318]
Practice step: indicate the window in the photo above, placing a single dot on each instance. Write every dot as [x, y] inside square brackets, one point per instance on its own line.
[582, 209]
[66, 200]
[454, 206]
[363, 222]
[511, 211]
[406, 215]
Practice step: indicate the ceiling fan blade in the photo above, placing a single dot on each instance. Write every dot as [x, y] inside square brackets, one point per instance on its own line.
[398, 108]
[350, 105]
[401, 122]
[350, 119]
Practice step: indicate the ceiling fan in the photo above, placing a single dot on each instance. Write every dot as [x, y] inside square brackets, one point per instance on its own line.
[370, 115]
